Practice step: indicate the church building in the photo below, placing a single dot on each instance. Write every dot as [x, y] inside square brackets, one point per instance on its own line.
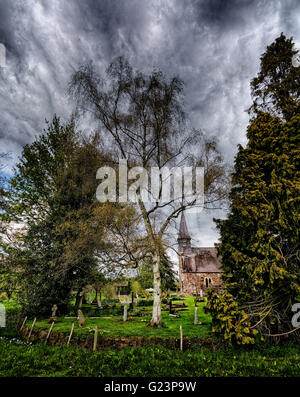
[199, 267]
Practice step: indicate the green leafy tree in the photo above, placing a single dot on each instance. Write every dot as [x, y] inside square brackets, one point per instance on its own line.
[53, 195]
[260, 238]
[9, 274]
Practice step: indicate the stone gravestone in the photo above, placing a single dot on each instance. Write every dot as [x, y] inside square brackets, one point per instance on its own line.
[196, 322]
[53, 318]
[125, 313]
[81, 319]
[54, 309]
[196, 315]
[2, 315]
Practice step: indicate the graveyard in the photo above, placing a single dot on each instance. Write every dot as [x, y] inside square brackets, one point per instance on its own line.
[111, 323]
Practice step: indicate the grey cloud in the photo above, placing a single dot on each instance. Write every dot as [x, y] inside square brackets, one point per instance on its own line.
[9, 12]
[214, 46]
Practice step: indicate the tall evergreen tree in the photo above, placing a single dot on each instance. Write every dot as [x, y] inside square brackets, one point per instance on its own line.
[276, 88]
[260, 238]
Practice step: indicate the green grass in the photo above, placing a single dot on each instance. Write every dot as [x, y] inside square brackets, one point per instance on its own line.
[22, 358]
[39, 360]
[138, 326]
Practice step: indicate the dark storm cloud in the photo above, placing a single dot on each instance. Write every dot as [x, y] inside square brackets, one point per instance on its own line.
[9, 12]
[222, 13]
[214, 46]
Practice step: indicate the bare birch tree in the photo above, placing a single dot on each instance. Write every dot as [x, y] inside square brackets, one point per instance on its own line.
[141, 116]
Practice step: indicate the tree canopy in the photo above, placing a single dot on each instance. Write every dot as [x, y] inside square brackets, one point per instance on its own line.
[53, 196]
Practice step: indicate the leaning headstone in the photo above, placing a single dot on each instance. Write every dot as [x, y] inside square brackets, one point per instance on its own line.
[81, 319]
[125, 313]
[175, 315]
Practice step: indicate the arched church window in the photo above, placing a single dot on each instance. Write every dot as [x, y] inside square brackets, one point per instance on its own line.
[208, 282]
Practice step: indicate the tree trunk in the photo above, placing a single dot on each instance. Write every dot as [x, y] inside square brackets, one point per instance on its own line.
[95, 300]
[99, 299]
[84, 301]
[77, 300]
[156, 311]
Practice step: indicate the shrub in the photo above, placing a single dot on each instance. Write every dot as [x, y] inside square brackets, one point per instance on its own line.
[3, 297]
[228, 319]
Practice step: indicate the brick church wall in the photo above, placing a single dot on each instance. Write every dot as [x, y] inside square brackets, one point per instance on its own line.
[193, 282]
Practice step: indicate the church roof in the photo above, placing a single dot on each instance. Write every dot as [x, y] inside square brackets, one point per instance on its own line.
[183, 230]
[202, 260]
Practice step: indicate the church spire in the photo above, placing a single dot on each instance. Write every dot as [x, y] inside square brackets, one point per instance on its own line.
[183, 230]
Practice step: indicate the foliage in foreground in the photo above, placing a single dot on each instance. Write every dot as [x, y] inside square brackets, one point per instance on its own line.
[40, 360]
[228, 319]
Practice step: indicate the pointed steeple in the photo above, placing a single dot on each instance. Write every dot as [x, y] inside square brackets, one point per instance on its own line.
[183, 230]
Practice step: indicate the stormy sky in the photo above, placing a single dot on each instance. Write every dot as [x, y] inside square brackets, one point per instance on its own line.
[213, 45]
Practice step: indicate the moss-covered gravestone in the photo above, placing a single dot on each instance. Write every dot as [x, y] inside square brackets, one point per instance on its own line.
[53, 318]
[81, 319]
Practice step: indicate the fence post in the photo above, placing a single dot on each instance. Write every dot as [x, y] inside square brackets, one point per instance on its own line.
[95, 338]
[30, 332]
[181, 338]
[48, 335]
[24, 322]
[71, 333]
